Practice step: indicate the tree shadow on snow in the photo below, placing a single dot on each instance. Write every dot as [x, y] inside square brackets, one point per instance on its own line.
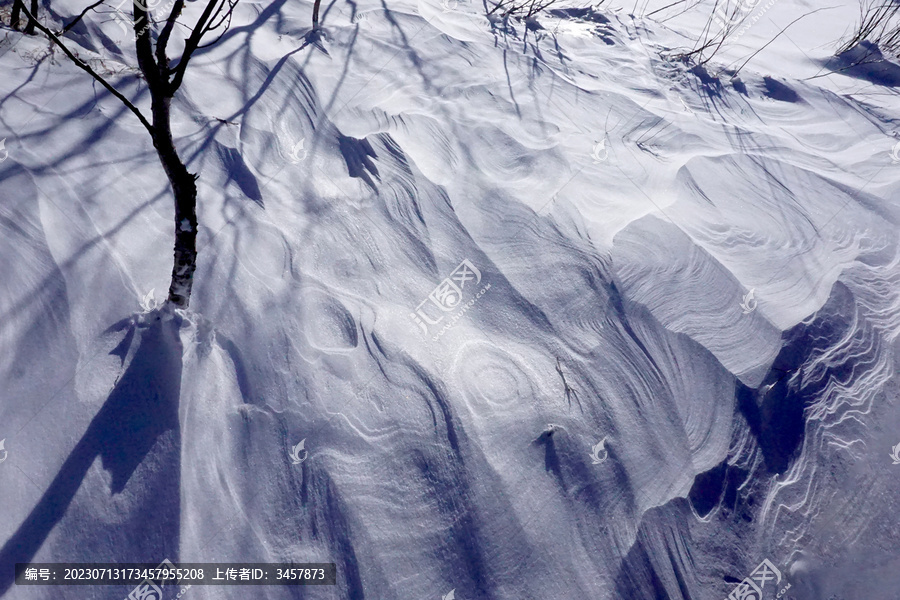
[138, 419]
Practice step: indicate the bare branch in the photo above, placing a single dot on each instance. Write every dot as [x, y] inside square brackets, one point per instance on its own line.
[163, 40]
[225, 20]
[879, 23]
[81, 16]
[144, 50]
[85, 67]
[32, 21]
[315, 15]
[16, 12]
[524, 9]
[664, 8]
[776, 37]
[225, 17]
[212, 10]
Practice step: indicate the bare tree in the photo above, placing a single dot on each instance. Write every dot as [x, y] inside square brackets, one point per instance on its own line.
[163, 79]
[17, 8]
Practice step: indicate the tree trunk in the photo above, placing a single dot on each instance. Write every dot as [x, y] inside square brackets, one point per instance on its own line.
[184, 187]
[16, 13]
[29, 28]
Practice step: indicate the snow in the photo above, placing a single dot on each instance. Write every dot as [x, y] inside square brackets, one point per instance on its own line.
[619, 205]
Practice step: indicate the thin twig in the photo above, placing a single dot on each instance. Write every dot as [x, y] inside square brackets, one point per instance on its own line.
[81, 16]
[776, 37]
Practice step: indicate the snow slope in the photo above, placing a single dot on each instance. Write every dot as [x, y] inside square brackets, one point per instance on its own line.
[619, 205]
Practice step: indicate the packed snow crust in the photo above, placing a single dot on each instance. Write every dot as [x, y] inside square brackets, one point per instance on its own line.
[619, 204]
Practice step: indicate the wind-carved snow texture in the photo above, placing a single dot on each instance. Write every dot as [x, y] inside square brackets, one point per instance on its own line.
[620, 207]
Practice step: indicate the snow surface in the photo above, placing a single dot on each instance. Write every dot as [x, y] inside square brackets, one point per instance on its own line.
[619, 205]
